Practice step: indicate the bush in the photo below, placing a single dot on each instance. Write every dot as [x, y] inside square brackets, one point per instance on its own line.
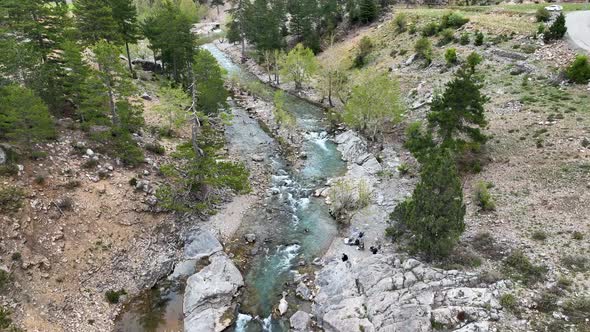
[508, 301]
[4, 280]
[578, 236]
[72, 184]
[156, 148]
[547, 302]
[364, 49]
[576, 263]
[403, 169]
[401, 22]
[478, 38]
[483, 198]
[485, 243]
[451, 56]
[8, 169]
[11, 199]
[579, 70]
[114, 296]
[453, 20]
[423, 49]
[429, 29]
[447, 36]
[465, 39]
[578, 309]
[39, 179]
[557, 30]
[520, 267]
[413, 29]
[5, 320]
[542, 15]
[539, 236]
[346, 199]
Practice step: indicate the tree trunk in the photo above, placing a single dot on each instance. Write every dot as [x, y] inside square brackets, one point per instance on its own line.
[330, 90]
[111, 94]
[196, 127]
[129, 57]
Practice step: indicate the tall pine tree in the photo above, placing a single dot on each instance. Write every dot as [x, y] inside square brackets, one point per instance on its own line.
[96, 22]
[125, 15]
[435, 213]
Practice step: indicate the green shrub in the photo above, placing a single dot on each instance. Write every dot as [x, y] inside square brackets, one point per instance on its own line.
[451, 56]
[5, 320]
[539, 235]
[403, 169]
[576, 263]
[8, 169]
[557, 30]
[90, 163]
[547, 302]
[465, 39]
[578, 309]
[578, 235]
[564, 282]
[542, 15]
[11, 199]
[518, 266]
[423, 49]
[364, 49]
[429, 29]
[156, 148]
[38, 155]
[413, 29]
[113, 296]
[72, 184]
[482, 196]
[453, 20]
[39, 179]
[16, 256]
[579, 70]
[4, 280]
[485, 243]
[401, 22]
[508, 301]
[446, 36]
[478, 38]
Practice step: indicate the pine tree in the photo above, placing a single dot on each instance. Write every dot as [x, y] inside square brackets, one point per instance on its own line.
[125, 15]
[212, 95]
[217, 3]
[303, 23]
[96, 22]
[368, 11]
[263, 28]
[24, 118]
[169, 33]
[435, 212]
[557, 30]
[459, 112]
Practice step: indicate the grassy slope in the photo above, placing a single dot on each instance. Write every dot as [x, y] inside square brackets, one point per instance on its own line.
[536, 161]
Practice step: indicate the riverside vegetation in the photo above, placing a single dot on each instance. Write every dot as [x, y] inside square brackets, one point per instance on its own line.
[68, 70]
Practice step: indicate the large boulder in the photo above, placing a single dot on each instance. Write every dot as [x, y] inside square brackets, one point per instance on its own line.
[351, 145]
[201, 243]
[208, 296]
[300, 321]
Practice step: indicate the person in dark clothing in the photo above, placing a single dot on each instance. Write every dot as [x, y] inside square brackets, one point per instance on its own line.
[361, 234]
[373, 250]
[344, 257]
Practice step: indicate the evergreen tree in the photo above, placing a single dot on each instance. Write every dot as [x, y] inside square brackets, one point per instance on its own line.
[212, 95]
[435, 212]
[173, 105]
[169, 33]
[217, 3]
[557, 30]
[125, 15]
[368, 11]
[24, 118]
[239, 24]
[459, 112]
[265, 18]
[303, 23]
[96, 22]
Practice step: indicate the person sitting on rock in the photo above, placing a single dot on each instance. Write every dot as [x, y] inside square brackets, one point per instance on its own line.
[344, 257]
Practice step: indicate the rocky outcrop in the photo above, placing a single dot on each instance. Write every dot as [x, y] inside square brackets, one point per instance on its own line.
[383, 293]
[2, 156]
[201, 243]
[209, 294]
[300, 321]
[354, 149]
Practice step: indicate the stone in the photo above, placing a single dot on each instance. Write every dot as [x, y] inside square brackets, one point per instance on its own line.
[411, 59]
[145, 96]
[350, 145]
[508, 54]
[303, 292]
[257, 158]
[89, 152]
[201, 243]
[3, 157]
[208, 296]
[250, 237]
[300, 321]
[283, 306]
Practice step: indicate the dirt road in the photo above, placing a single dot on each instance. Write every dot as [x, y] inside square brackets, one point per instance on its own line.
[578, 28]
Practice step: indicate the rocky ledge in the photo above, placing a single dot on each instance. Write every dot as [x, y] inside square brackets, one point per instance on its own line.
[384, 293]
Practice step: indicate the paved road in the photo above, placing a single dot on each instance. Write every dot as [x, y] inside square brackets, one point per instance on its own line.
[578, 28]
